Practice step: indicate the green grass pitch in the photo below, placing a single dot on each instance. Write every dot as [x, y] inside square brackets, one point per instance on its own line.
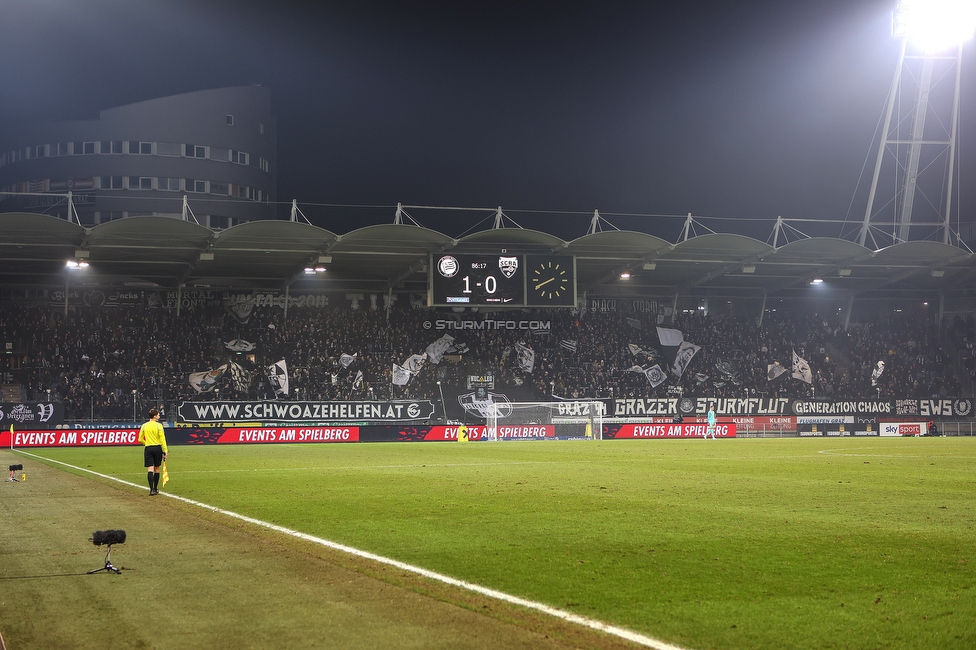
[746, 543]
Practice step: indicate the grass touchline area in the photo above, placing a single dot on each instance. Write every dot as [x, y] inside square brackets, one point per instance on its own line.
[759, 543]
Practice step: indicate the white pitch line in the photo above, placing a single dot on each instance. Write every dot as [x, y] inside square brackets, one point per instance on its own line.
[570, 617]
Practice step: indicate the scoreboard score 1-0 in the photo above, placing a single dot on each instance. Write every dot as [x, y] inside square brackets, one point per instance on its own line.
[467, 280]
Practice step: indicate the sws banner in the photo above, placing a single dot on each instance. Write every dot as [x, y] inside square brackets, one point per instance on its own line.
[32, 415]
[271, 411]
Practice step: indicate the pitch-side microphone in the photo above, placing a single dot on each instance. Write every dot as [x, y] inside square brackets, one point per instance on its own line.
[100, 537]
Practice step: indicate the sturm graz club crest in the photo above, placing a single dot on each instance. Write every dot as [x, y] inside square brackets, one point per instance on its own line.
[448, 266]
[508, 266]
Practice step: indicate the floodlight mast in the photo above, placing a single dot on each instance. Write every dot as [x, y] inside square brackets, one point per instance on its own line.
[932, 28]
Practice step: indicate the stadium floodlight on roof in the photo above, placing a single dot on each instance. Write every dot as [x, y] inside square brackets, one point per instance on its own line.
[919, 145]
[934, 25]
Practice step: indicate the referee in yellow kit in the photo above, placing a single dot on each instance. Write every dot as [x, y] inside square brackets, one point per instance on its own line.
[151, 435]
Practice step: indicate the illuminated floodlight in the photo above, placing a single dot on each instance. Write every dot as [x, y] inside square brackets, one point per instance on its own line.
[625, 275]
[309, 271]
[816, 281]
[77, 264]
[934, 25]
[320, 269]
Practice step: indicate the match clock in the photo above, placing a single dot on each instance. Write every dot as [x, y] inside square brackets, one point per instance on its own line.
[550, 280]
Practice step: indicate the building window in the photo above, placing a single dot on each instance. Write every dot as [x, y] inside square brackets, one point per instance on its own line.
[143, 148]
[218, 188]
[63, 148]
[89, 148]
[193, 185]
[261, 128]
[40, 151]
[194, 151]
[239, 157]
[170, 184]
[264, 165]
[229, 120]
[111, 182]
[140, 183]
[111, 146]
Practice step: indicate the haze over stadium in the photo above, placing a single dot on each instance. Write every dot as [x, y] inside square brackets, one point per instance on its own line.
[741, 111]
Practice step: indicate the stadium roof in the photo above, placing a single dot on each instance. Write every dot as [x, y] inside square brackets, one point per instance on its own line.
[270, 255]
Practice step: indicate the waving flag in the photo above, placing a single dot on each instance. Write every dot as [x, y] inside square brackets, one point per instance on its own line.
[437, 349]
[278, 376]
[400, 375]
[357, 383]
[655, 375]
[164, 475]
[681, 360]
[348, 359]
[415, 363]
[775, 370]
[669, 336]
[526, 357]
[568, 344]
[801, 369]
[206, 381]
[876, 373]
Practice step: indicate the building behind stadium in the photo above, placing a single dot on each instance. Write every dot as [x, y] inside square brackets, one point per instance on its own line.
[143, 158]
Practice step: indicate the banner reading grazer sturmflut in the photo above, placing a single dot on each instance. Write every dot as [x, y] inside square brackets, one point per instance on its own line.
[270, 411]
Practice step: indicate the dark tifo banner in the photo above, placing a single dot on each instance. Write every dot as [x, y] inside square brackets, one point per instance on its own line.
[272, 411]
[32, 415]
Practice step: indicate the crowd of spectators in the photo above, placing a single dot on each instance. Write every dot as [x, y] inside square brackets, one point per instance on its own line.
[113, 363]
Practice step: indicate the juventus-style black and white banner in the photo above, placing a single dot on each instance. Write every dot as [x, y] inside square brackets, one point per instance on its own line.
[268, 411]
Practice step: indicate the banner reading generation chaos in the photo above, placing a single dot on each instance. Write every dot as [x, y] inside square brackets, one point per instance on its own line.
[271, 411]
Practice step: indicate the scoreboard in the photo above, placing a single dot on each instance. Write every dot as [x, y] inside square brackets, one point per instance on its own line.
[465, 280]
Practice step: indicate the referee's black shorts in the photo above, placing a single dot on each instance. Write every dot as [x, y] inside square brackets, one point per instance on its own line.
[154, 455]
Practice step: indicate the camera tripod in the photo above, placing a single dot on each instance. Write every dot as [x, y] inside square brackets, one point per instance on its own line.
[108, 564]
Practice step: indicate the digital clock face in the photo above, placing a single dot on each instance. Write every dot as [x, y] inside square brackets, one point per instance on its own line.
[551, 280]
[476, 280]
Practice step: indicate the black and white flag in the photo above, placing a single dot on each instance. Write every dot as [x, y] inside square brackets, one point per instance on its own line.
[239, 377]
[357, 383]
[400, 375]
[670, 337]
[278, 376]
[568, 344]
[206, 381]
[801, 369]
[876, 373]
[240, 345]
[438, 348]
[415, 363]
[526, 357]
[348, 359]
[240, 307]
[634, 322]
[655, 375]
[775, 370]
[635, 349]
[681, 360]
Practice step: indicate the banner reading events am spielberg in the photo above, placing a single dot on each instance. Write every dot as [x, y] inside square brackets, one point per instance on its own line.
[298, 434]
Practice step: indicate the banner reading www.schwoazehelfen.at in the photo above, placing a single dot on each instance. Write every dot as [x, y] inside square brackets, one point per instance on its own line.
[271, 411]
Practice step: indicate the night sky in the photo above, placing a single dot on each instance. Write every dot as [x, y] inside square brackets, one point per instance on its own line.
[739, 110]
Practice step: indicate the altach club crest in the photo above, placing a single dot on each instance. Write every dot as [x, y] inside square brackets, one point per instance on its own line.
[508, 266]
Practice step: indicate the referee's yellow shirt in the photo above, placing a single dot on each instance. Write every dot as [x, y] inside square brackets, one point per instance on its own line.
[151, 433]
